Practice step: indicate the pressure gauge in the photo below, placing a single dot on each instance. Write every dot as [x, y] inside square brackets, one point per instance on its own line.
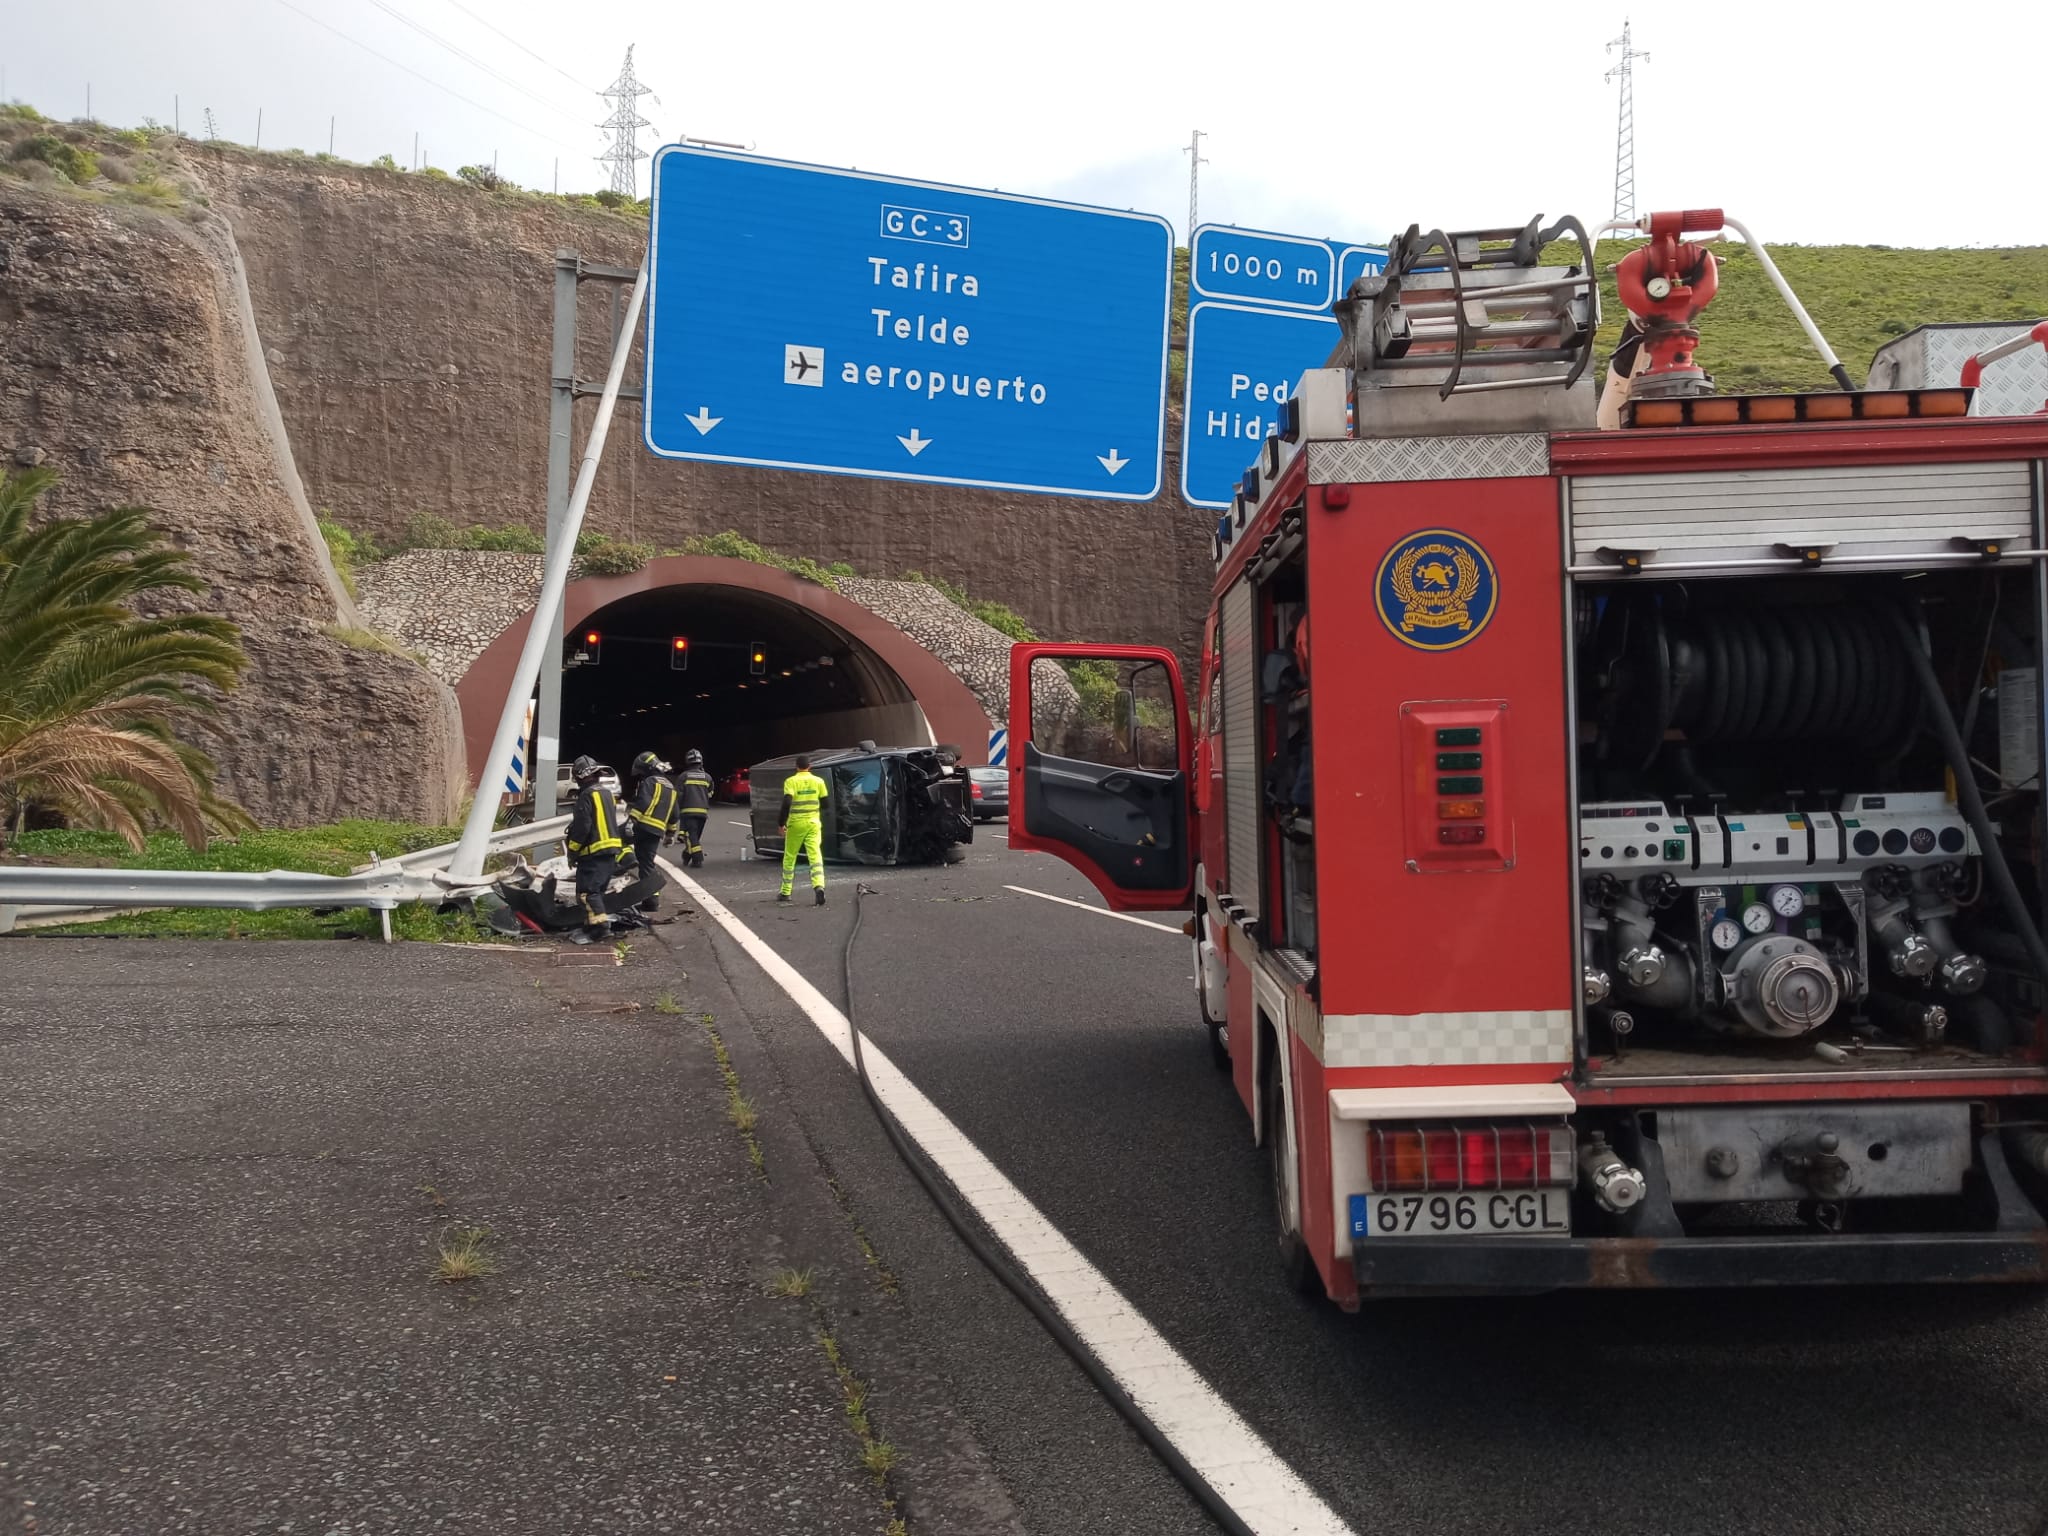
[1787, 900]
[1726, 933]
[1756, 917]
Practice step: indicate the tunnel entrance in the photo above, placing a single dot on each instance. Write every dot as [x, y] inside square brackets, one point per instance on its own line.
[741, 676]
[831, 673]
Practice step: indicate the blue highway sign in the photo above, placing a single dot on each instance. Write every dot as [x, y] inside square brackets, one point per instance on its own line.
[1250, 266]
[1246, 352]
[800, 317]
[1354, 261]
[1242, 365]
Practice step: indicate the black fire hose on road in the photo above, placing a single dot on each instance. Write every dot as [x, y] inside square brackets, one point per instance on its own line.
[1968, 796]
[1018, 1285]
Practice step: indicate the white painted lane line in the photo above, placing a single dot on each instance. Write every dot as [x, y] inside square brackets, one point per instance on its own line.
[731, 823]
[1122, 917]
[1266, 1493]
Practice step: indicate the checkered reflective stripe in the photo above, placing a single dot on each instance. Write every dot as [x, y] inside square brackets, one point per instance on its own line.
[1486, 456]
[1446, 1039]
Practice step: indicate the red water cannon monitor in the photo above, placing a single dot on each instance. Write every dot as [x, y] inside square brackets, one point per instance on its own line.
[1665, 285]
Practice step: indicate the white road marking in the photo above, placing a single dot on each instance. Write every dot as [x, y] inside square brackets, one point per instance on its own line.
[739, 823]
[1267, 1494]
[1122, 917]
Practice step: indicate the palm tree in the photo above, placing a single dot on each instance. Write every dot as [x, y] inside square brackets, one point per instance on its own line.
[90, 690]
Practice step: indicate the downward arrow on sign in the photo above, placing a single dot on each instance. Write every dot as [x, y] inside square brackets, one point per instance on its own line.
[1112, 461]
[703, 421]
[914, 443]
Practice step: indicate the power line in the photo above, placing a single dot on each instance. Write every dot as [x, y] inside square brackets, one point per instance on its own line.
[543, 58]
[1196, 160]
[429, 79]
[624, 125]
[1625, 130]
[471, 59]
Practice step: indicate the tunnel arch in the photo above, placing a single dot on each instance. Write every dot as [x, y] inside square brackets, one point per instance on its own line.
[878, 683]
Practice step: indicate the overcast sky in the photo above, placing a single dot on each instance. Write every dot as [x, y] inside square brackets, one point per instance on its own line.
[1813, 122]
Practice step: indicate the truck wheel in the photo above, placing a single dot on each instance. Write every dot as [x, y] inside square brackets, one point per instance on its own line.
[1296, 1267]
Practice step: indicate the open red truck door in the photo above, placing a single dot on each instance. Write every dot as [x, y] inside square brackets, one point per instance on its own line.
[1099, 776]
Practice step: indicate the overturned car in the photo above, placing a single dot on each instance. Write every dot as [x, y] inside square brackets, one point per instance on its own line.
[888, 805]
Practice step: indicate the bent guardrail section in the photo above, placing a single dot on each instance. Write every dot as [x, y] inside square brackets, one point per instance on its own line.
[34, 890]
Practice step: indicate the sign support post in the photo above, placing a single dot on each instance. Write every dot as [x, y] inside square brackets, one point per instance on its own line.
[545, 749]
[468, 859]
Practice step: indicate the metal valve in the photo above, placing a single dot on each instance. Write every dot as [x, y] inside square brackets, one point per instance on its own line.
[1614, 1185]
[1964, 974]
[1912, 955]
[1598, 985]
[1643, 965]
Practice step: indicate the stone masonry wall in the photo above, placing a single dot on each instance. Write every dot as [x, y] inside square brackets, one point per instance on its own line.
[448, 604]
[408, 321]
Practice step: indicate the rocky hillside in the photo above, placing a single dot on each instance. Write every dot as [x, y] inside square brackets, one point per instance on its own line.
[130, 368]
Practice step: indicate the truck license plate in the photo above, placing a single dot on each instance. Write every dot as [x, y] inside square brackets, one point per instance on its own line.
[1495, 1213]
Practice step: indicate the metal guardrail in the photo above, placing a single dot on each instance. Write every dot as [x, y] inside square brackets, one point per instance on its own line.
[503, 840]
[43, 891]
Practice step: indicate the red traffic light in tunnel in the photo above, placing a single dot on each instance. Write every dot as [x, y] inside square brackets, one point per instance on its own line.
[591, 651]
[679, 654]
[757, 659]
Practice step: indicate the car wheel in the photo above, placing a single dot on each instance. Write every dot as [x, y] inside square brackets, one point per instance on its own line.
[1296, 1267]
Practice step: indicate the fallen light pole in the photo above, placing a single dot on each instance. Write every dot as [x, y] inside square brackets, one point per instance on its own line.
[468, 860]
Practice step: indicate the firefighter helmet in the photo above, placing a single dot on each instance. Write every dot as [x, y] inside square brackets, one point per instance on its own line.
[693, 758]
[584, 769]
[647, 763]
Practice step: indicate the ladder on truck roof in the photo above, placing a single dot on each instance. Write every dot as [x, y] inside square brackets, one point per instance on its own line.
[1470, 312]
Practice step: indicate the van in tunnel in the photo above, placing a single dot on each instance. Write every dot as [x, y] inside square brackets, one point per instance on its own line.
[887, 805]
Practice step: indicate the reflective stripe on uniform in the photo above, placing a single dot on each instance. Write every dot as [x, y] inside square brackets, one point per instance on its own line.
[606, 840]
[806, 793]
[657, 815]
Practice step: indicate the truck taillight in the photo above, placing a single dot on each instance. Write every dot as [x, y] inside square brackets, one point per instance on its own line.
[1468, 1156]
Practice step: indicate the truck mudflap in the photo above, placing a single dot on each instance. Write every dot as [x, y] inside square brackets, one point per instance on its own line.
[1524, 1265]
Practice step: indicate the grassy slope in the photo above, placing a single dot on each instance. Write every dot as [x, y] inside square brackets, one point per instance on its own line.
[1859, 295]
[329, 850]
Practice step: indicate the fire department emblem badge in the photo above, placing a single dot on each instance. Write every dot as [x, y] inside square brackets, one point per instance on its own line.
[1436, 590]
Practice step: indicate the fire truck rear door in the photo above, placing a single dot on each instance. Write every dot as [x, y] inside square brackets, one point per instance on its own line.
[1099, 768]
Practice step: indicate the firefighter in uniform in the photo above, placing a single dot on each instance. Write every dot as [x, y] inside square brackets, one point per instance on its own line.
[594, 845]
[803, 797]
[695, 792]
[653, 814]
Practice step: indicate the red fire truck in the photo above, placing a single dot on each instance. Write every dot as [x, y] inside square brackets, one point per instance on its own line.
[1615, 857]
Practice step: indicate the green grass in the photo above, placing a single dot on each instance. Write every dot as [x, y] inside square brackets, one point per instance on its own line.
[330, 850]
[1860, 296]
[334, 849]
[462, 1256]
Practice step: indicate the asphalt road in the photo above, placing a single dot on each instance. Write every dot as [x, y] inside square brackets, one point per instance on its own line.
[1066, 1045]
[227, 1169]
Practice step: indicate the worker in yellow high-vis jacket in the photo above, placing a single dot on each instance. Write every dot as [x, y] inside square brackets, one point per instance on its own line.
[803, 799]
